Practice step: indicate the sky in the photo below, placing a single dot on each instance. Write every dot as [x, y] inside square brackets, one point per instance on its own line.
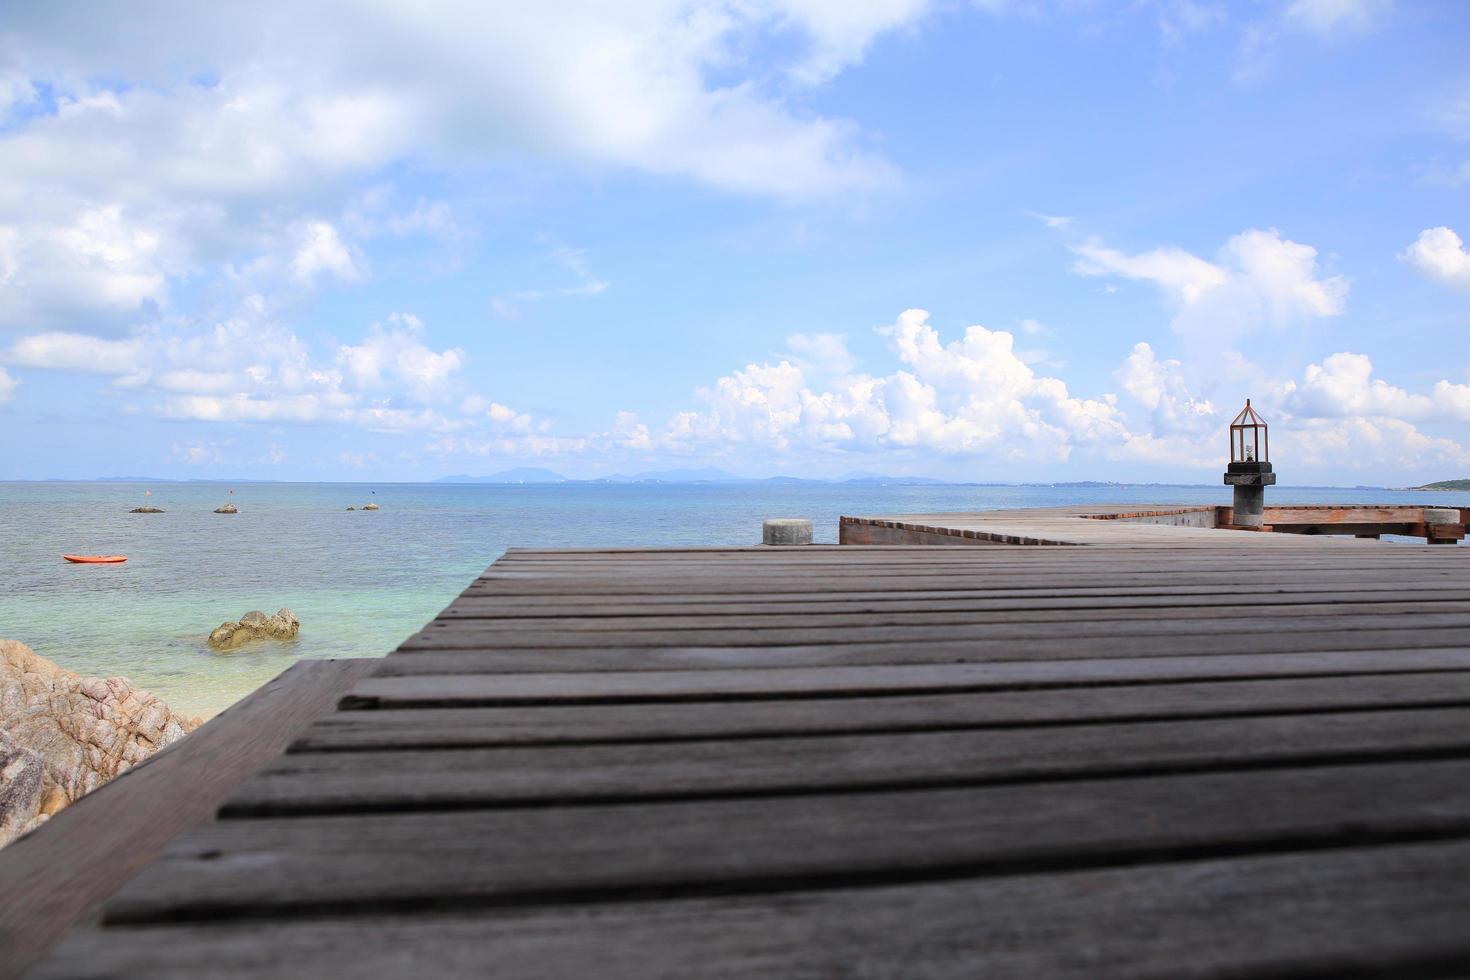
[997, 240]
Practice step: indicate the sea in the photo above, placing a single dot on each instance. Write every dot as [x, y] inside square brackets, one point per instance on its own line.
[362, 581]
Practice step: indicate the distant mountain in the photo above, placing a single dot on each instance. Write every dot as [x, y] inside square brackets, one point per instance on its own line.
[1445, 485]
[120, 479]
[879, 479]
[521, 474]
[708, 474]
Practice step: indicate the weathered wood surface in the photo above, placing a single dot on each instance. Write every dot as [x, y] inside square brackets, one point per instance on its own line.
[487, 857]
[1144, 756]
[57, 877]
[1389, 911]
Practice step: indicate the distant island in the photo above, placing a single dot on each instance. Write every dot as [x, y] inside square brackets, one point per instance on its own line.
[535, 475]
[1445, 485]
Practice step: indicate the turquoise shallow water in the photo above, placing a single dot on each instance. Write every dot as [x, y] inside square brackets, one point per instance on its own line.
[361, 582]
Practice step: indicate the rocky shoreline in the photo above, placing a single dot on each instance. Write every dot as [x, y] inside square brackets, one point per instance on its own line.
[63, 735]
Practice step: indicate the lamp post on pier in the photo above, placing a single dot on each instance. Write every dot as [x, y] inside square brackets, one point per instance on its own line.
[1250, 467]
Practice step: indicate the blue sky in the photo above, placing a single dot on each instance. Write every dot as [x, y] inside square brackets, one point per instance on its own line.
[986, 241]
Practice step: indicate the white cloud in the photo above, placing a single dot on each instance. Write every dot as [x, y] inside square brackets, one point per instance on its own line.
[629, 433]
[1160, 387]
[1343, 386]
[1440, 254]
[1056, 222]
[1176, 270]
[624, 84]
[821, 353]
[841, 32]
[1328, 17]
[975, 398]
[320, 249]
[1382, 446]
[248, 370]
[196, 454]
[971, 396]
[1258, 279]
[7, 386]
[197, 382]
[78, 352]
[184, 141]
[397, 356]
[92, 264]
[357, 460]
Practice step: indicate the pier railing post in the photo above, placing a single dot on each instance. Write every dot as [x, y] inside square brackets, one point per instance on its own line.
[786, 531]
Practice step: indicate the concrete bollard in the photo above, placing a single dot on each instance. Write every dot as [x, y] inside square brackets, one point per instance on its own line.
[1442, 525]
[786, 531]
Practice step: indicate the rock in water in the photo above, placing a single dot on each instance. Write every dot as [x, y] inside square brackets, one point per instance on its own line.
[369, 506]
[352, 508]
[146, 510]
[283, 625]
[255, 625]
[227, 509]
[79, 731]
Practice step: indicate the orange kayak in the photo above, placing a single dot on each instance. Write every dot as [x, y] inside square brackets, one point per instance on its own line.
[96, 559]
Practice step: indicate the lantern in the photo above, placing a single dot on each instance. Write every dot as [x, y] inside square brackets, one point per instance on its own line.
[1249, 471]
[1250, 441]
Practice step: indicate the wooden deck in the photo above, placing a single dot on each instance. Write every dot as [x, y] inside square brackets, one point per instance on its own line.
[1155, 755]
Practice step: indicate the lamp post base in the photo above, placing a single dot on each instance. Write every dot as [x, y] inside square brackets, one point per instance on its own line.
[1250, 481]
[1250, 506]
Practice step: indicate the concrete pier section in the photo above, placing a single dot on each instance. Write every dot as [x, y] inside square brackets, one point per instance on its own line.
[1179, 525]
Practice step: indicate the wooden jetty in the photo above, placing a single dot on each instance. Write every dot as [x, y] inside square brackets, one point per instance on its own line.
[1160, 752]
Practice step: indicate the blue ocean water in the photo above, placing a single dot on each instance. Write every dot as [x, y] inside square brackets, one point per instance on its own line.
[361, 582]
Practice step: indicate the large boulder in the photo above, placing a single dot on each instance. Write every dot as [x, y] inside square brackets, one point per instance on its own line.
[255, 625]
[369, 506]
[146, 510]
[81, 731]
[227, 509]
[22, 783]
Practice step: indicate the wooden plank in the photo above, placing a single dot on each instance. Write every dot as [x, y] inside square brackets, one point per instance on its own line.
[860, 561]
[560, 724]
[347, 782]
[1387, 911]
[1094, 611]
[58, 876]
[1423, 577]
[388, 689]
[967, 611]
[468, 635]
[594, 605]
[309, 866]
[809, 604]
[1387, 643]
